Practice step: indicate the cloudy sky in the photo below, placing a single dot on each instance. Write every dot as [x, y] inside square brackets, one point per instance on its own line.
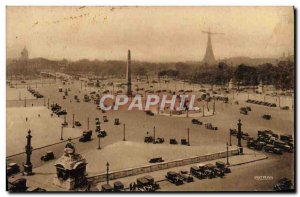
[152, 33]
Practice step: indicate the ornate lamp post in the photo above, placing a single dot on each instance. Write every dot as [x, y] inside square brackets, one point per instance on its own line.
[107, 169]
[188, 132]
[230, 144]
[61, 133]
[99, 136]
[73, 120]
[28, 150]
[239, 136]
[154, 134]
[227, 156]
[124, 132]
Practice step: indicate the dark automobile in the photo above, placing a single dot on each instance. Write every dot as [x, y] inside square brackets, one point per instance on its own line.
[244, 111]
[195, 171]
[284, 184]
[105, 119]
[106, 188]
[186, 178]
[18, 185]
[117, 121]
[223, 166]
[12, 168]
[48, 156]
[159, 140]
[102, 133]
[86, 136]
[184, 142]
[174, 178]
[267, 116]
[62, 112]
[149, 112]
[196, 121]
[118, 186]
[173, 141]
[77, 123]
[156, 160]
[148, 139]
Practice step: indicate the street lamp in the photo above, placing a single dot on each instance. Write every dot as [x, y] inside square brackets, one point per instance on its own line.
[230, 144]
[188, 132]
[107, 169]
[73, 120]
[154, 135]
[99, 147]
[124, 132]
[61, 133]
[227, 162]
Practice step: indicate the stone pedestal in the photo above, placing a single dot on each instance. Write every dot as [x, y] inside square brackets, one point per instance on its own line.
[70, 169]
[27, 170]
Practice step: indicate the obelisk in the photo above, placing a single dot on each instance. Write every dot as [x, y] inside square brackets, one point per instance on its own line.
[128, 74]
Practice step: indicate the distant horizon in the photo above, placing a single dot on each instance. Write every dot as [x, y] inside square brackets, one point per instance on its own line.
[133, 60]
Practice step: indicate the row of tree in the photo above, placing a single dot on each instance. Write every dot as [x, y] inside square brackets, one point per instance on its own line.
[280, 75]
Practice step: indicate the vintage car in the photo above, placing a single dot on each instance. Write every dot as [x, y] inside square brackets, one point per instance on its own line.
[153, 185]
[61, 112]
[196, 172]
[102, 133]
[48, 156]
[209, 171]
[244, 111]
[173, 141]
[285, 108]
[174, 178]
[196, 121]
[159, 140]
[209, 126]
[143, 184]
[77, 123]
[149, 112]
[267, 116]
[106, 188]
[185, 177]
[184, 142]
[117, 121]
[118, 186]
[284, 184]
[86, 136]
[12, 168]
[148, 139]
[105, 119]
[222, 166]
[18, 185]
[156, 160]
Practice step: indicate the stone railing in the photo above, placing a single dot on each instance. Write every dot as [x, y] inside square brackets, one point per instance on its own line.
[160, 166]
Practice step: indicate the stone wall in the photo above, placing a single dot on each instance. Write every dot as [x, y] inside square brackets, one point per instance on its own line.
[161, 166]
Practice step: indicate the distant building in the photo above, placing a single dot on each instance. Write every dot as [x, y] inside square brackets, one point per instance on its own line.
[24, 54]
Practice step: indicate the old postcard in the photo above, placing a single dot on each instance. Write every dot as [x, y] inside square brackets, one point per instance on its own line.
[150, 99]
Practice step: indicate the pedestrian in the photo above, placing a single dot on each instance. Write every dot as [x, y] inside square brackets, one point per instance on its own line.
[26, 119]
[39, 115]
[130, 187]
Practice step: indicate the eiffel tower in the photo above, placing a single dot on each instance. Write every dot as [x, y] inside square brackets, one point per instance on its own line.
[209, 57]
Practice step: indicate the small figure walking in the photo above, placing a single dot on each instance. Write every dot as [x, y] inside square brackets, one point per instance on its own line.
[26, 119]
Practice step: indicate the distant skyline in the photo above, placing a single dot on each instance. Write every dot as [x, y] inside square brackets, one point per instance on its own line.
[157, 34]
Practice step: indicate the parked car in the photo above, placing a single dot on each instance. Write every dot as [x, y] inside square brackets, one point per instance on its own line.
[12, 168]
[173, 141]
[48, 156]
[156, 160]
[174, 178]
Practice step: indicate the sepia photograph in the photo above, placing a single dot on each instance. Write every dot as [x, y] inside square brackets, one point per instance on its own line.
[144, 99]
